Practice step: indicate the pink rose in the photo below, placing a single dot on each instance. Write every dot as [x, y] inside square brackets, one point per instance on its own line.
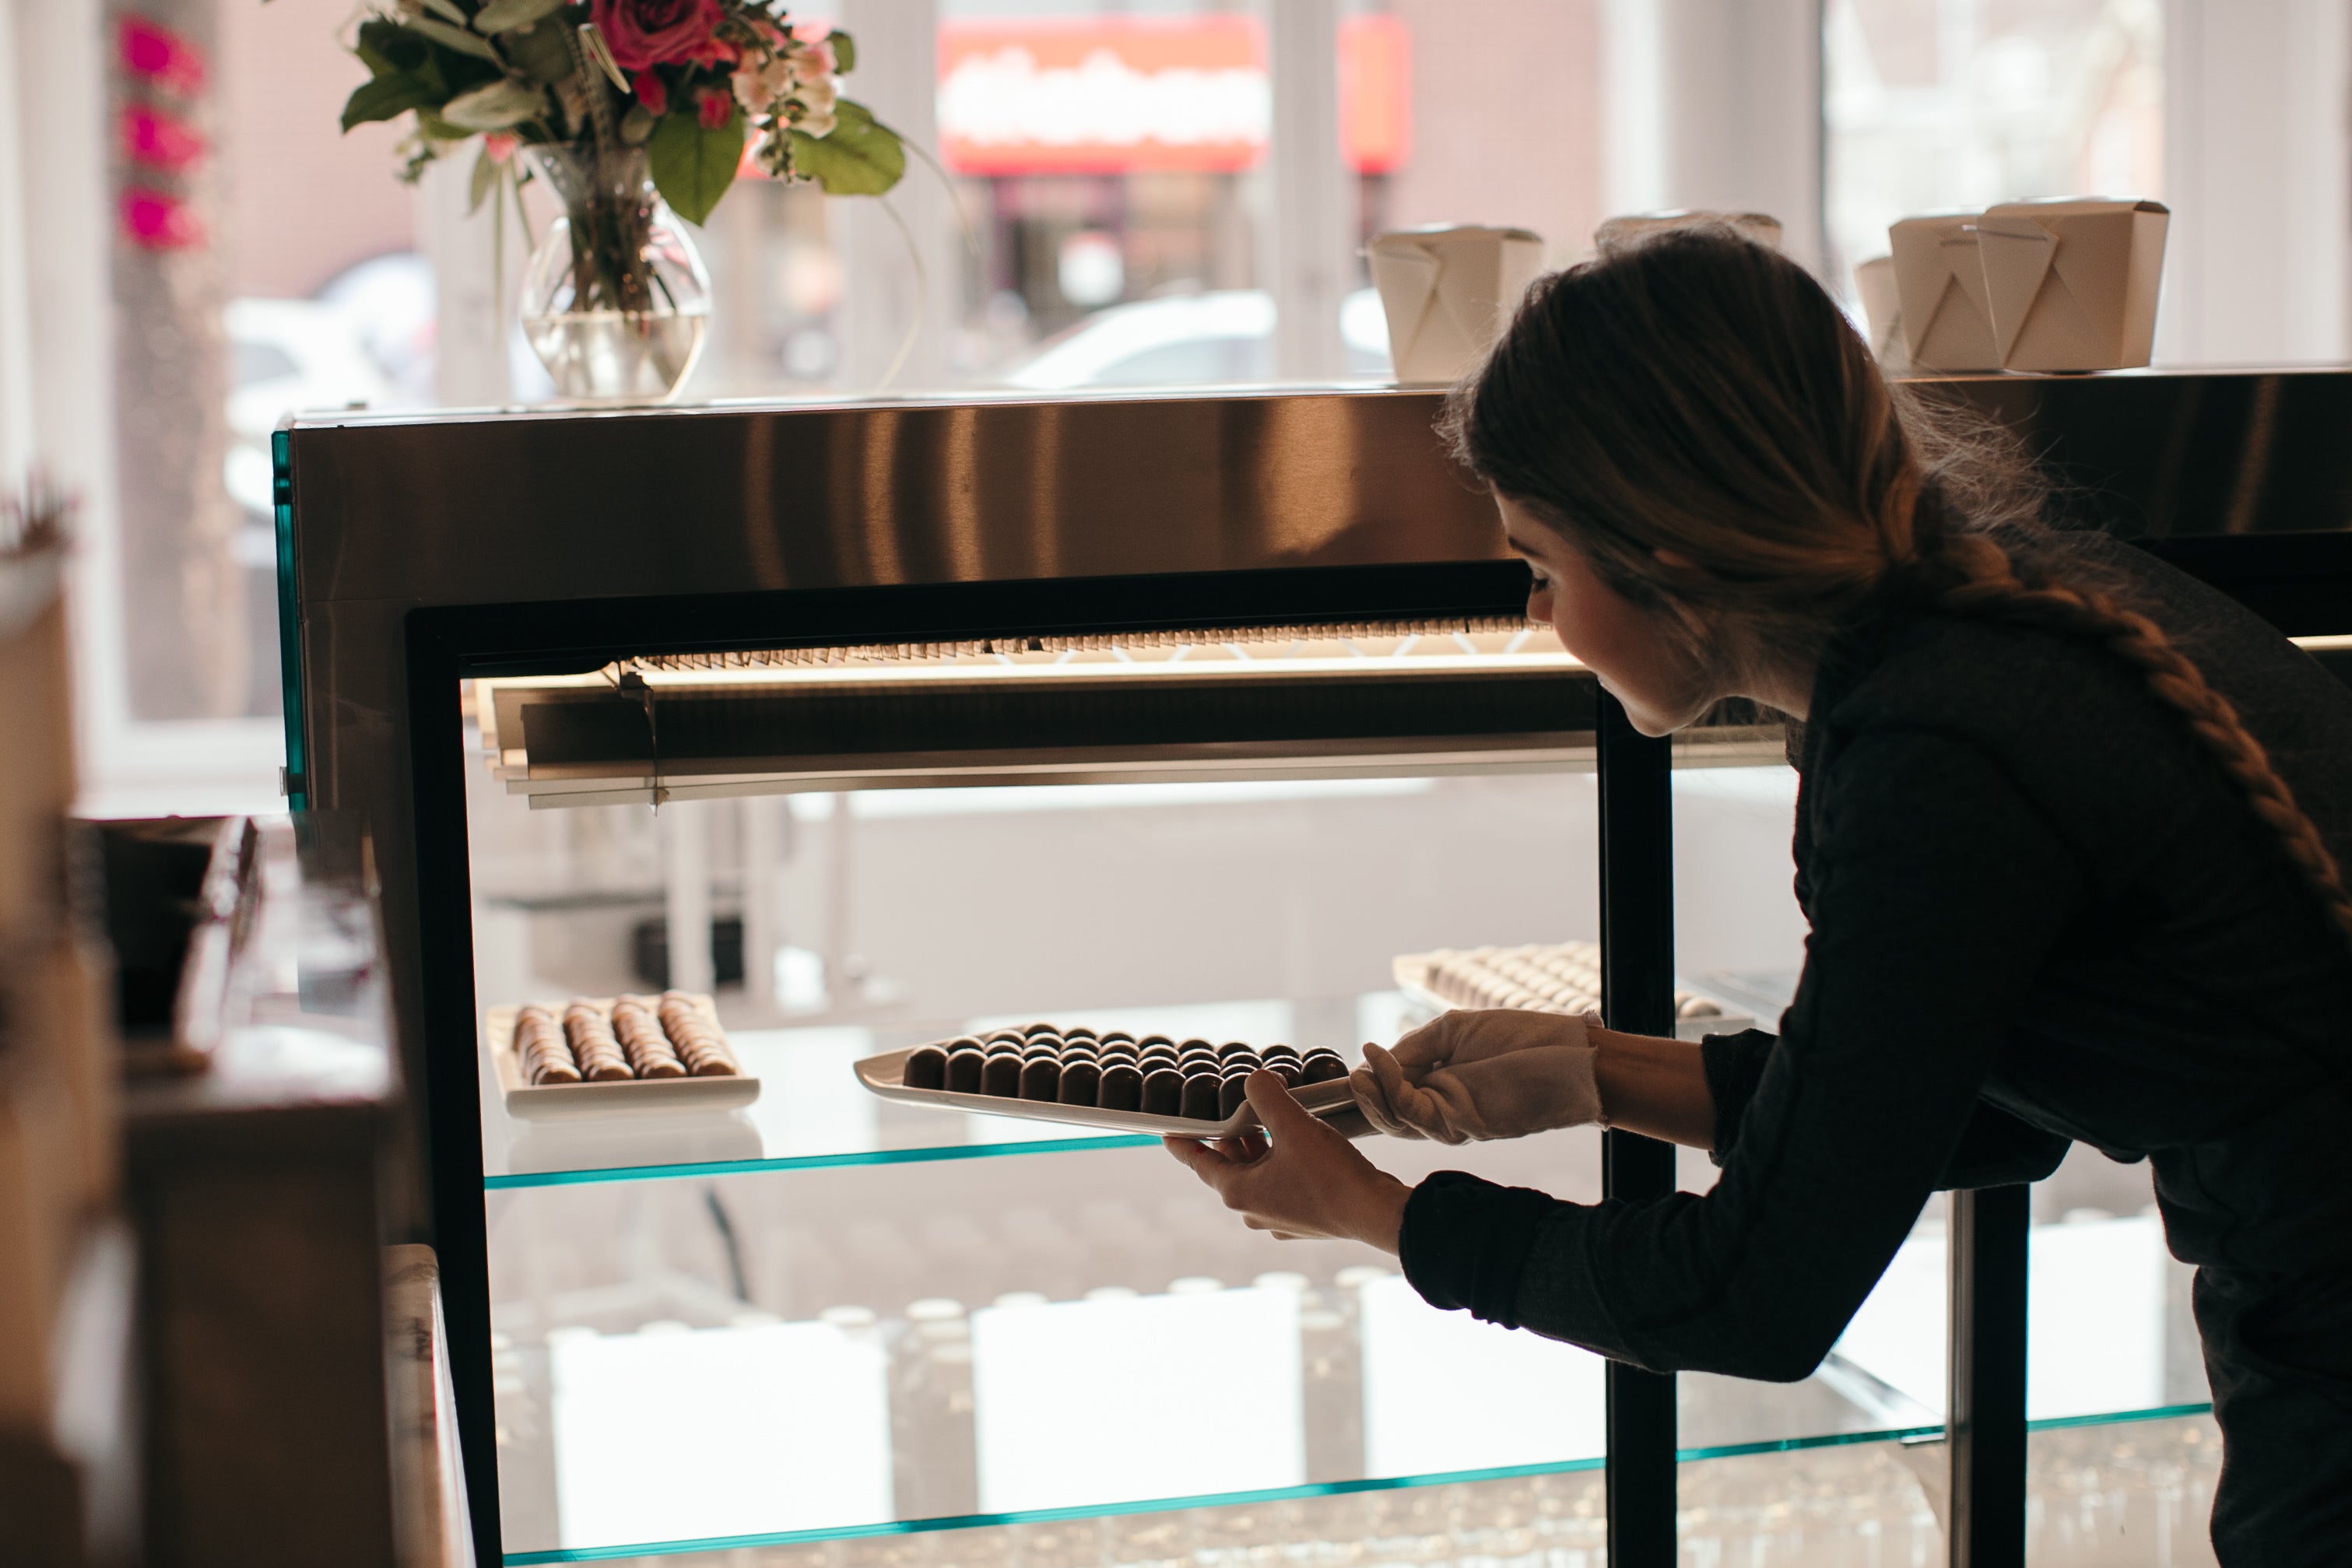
[645, 33]
[716, 110]
[651, 93]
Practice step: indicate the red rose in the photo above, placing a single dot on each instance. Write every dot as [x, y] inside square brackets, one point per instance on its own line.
[651, 93]
[645, 33]
[716, 110]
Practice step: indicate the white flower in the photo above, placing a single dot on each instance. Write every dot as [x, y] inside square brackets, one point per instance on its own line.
[817, 124]
[760, 86]
[818, 98]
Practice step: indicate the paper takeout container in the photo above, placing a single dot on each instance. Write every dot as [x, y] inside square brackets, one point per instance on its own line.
[1941, 285]
[1631, 228]
[2072, 285]
[1882, 306]
[1448, 290]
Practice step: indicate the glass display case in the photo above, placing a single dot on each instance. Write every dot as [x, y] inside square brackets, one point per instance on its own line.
[1189, 716]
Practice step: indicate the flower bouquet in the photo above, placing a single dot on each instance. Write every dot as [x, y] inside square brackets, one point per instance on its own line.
[628, 110]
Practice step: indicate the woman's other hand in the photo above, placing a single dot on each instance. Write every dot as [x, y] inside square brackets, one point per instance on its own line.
[1297, 1177]
[1476, 1073]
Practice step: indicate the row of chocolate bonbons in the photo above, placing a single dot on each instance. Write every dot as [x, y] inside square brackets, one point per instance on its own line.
[1112, 1071]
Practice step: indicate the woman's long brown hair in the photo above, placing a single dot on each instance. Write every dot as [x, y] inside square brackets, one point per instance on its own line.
[1699, 419]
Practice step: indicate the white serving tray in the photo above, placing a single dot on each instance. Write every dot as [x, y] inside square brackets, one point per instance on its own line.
[631, 1096]
[885, 1075]
[1412, 972]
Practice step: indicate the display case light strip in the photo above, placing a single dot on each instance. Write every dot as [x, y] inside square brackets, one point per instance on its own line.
[1907, 1436]
[669, 679]
[900, 652]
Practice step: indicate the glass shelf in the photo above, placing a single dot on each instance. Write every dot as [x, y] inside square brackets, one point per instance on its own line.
[813, 1112]
[1908, 1436]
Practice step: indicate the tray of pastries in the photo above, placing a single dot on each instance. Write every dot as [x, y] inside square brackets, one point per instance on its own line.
[1157, 1085]
[596, 1054]
[1543, 976]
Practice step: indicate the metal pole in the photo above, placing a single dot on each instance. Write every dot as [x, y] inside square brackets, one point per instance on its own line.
[1637, 995]
[1985, 1429]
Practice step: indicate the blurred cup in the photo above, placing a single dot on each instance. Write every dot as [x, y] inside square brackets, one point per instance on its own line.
[1448, 290]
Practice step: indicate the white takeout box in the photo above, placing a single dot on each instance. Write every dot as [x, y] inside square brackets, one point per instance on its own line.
[2072, 285]
[1448, 290]
[1630, 229]
[1941, 286]
[1882, 306]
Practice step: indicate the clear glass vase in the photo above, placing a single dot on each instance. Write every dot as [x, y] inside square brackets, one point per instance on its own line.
[615, 301]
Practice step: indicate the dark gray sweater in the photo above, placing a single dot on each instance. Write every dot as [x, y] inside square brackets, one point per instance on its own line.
[2040, 913]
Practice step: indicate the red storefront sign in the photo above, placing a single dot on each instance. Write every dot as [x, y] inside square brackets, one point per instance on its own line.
[1118, 95]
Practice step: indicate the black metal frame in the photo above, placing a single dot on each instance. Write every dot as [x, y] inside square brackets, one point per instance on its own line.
[1637, 995]
[2302, 583]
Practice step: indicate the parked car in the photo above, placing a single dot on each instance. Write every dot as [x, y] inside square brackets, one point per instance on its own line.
[287, 355]
[1220, 337]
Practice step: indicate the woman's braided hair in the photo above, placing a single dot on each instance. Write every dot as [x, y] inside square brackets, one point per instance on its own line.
[1699, 419]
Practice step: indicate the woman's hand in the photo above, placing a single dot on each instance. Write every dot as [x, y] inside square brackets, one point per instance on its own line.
[1297, 1177]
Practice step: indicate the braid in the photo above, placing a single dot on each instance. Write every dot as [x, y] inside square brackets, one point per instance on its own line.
[1989, 581]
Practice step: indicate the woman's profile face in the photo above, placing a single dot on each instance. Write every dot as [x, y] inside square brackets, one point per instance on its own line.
[1641, 660]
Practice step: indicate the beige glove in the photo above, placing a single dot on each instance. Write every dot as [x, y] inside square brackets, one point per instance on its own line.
[1469, 1075]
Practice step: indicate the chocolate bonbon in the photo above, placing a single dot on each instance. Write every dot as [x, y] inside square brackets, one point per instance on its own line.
[1233, 1093]
[1122, 1088]
[1081, 1082]
[927, 1068]
[1001, 1076]
[964, 1070]
[1163, 1092]
[1041, 1079]
[1201, 1093]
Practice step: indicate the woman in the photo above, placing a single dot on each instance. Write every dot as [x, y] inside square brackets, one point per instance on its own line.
[2067, 837]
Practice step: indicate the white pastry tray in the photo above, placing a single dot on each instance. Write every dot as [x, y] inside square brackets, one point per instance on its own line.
[1412, 972]
[885, 1076]
[628, 1096]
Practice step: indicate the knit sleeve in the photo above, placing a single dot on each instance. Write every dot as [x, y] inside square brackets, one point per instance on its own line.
[1933, 876]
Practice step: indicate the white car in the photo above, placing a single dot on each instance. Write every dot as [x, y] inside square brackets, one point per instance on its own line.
[287, 356]
[1190, 339]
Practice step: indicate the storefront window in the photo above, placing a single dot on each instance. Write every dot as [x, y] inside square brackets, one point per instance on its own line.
[1936, 105]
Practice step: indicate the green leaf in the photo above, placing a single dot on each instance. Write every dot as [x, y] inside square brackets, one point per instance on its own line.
[485, 180]
[845, 51]
[457, 38]
[693, 167]
[386, 97]
[862, 157]
[500, 106]
[505, 15]
[539, 52]
[433, 128]
[446, 8]
[636, 126]
[388, 47]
